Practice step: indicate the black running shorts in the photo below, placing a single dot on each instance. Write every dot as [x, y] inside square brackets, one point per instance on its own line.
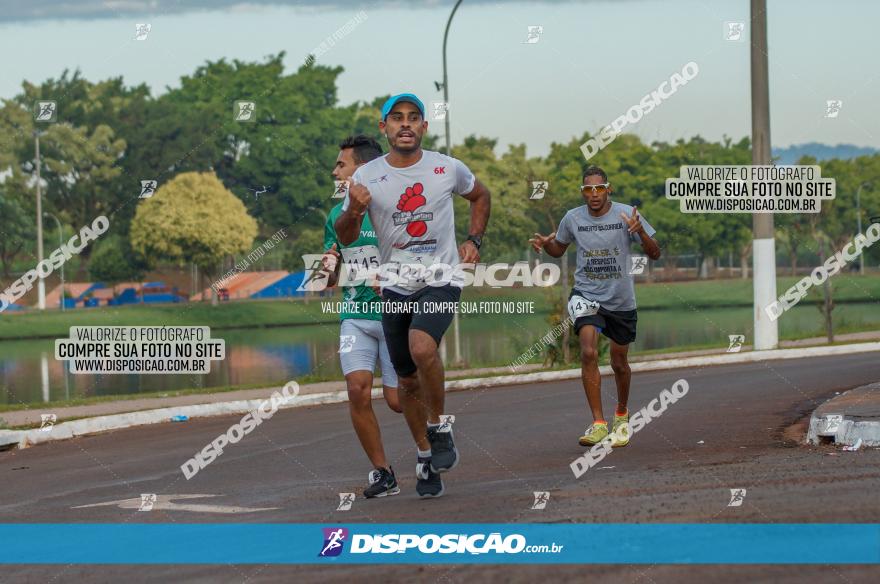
[430, 310]
[617, 325]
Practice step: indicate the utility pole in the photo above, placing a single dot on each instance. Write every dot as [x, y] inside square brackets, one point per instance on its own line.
[763, 240]
[41, 286]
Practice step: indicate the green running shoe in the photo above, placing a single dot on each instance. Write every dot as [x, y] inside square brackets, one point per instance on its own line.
[620, 430]
[594, 434]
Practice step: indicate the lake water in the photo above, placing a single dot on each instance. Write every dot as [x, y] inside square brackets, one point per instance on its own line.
[29, 372]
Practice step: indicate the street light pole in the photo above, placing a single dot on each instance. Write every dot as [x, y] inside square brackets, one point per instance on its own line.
[763, 240]
[446, 78]
[41, 287]
[60, 245]
[455, 328]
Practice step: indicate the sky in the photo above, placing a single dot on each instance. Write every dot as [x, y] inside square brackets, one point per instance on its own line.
[593, 59]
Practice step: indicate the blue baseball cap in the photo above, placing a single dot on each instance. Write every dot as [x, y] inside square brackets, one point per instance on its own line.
[394, 99]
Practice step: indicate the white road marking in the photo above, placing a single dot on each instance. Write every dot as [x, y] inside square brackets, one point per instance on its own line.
[166, 503]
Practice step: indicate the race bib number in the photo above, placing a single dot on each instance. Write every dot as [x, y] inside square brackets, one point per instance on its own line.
[413, 269]
[579, 306]
[361, 263]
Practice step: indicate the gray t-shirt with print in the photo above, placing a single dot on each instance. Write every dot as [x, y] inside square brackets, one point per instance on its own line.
[604, 264]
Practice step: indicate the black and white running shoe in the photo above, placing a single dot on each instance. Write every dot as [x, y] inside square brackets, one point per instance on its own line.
[382, 483]
[429, 483]
[444, 454]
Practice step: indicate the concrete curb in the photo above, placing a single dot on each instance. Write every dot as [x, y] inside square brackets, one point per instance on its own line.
[848, 418]
[65, 430]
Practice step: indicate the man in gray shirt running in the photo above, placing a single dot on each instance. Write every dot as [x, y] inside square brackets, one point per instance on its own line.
[603, 296]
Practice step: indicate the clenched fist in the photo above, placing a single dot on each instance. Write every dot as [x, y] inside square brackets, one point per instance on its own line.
[359, 198]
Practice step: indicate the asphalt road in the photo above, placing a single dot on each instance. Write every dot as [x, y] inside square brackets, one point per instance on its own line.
[736, 428]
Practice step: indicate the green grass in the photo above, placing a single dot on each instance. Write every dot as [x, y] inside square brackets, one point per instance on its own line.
[722, 293]
[247, 314]
[257, 314]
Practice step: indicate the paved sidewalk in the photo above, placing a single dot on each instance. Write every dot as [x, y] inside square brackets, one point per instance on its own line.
[851, 418]
[32, 417]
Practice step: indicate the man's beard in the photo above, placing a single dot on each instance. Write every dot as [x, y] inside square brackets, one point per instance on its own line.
[416, 144]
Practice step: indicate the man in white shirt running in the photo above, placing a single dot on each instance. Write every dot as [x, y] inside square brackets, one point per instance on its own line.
[408, 195]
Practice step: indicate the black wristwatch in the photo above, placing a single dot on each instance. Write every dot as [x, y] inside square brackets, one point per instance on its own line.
[476, 239]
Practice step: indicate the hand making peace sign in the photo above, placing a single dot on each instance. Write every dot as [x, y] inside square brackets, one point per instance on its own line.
[634, 221]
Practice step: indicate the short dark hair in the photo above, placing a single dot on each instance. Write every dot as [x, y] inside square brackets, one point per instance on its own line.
[364, 148]
[594, 171]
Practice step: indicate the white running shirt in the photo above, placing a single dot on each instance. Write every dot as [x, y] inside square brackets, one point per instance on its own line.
[412, 212]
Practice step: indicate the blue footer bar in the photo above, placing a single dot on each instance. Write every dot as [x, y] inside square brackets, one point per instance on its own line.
[453, 543]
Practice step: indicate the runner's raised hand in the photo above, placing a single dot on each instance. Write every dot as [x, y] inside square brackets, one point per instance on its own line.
[634, 222]
[539, 241]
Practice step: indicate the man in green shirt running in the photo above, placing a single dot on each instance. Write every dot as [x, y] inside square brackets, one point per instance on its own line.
[361, 340]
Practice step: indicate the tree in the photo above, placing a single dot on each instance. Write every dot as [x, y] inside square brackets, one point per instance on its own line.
[193, 218]
[16, 228]
[79, 167]
[509, 181]
[115, 261]
[87, 164]
[303, 242]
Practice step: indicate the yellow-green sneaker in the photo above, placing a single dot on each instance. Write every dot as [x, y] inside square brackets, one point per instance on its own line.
[620, 430]
[594, 434]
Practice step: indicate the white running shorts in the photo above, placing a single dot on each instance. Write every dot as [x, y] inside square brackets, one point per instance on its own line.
[361, 344]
